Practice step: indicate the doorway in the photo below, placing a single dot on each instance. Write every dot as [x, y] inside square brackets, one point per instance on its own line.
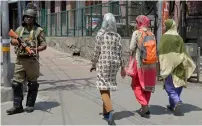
[13, 16]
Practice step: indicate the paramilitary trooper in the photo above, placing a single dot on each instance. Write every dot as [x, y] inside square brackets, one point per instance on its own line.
[26, 66]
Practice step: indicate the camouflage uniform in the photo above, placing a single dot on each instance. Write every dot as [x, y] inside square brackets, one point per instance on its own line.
[25, 65]
[26, 68]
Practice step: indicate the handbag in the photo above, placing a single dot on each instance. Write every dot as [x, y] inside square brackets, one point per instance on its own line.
[131, 70]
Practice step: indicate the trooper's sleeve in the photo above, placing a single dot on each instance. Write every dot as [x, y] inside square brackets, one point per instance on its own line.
[42, 39]
[17, 31]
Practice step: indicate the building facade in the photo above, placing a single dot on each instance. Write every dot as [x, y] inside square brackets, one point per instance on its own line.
[83, 18]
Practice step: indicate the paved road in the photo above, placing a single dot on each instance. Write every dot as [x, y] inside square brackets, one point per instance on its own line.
[67, 96]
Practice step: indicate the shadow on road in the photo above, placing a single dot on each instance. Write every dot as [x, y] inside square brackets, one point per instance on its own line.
[186, 108]
[158, 110]
[70, 84]
[122, 114]
[46, 106]
[52, 82]
[127, 114]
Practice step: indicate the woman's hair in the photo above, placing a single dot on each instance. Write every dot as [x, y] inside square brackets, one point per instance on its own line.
[109, 23]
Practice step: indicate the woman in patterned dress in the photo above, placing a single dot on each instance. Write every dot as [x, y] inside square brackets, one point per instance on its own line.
[107, 56]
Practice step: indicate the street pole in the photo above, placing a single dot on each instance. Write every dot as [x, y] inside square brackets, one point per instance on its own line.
[0, 20]
[5, 44]
[159, 22]
[1, 44]
[19, 13]
[159, 32]
[77, 17]
[79, 5]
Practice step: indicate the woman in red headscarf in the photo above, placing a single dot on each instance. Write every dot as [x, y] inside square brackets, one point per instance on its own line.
[143, 82]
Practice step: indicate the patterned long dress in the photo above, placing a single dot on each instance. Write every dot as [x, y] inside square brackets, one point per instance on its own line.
[108, 56]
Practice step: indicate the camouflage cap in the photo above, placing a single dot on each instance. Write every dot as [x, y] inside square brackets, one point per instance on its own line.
[30, 12]
[31, 9]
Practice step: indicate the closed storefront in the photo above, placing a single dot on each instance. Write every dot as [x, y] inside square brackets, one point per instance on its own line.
[194, 22]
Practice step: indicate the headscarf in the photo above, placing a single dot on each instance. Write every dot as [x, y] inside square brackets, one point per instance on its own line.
[171, 27]
[142, 21]
[109, 23]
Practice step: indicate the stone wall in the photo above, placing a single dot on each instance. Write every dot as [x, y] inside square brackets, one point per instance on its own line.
[82, 45]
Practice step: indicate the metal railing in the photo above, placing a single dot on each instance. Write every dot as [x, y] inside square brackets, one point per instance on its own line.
[85, 21]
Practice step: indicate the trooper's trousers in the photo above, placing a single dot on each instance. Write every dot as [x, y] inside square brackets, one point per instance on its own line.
[26, 68]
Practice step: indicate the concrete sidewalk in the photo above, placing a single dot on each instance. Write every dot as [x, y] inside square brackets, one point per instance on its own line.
[67, 96]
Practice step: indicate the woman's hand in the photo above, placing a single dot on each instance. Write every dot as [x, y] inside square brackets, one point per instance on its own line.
[132, 86]
[93, 68]
[123, 72]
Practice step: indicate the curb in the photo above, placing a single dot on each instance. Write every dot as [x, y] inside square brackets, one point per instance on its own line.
[6, 94]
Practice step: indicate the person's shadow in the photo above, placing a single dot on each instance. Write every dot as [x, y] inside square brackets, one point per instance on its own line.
[120, 115]
[155, 110]
[158, 110]
[185, 108]
[46, 106]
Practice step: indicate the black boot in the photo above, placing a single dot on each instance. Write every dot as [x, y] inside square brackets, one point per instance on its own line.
[15, 110]
[31, 96]
[17, 99]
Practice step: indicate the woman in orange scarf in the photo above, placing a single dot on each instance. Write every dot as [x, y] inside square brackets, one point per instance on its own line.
[143, 82]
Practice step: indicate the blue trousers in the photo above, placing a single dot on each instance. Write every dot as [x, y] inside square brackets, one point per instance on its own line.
[173, 93]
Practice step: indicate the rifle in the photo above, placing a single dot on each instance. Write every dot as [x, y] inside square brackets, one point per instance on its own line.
[12, 34]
